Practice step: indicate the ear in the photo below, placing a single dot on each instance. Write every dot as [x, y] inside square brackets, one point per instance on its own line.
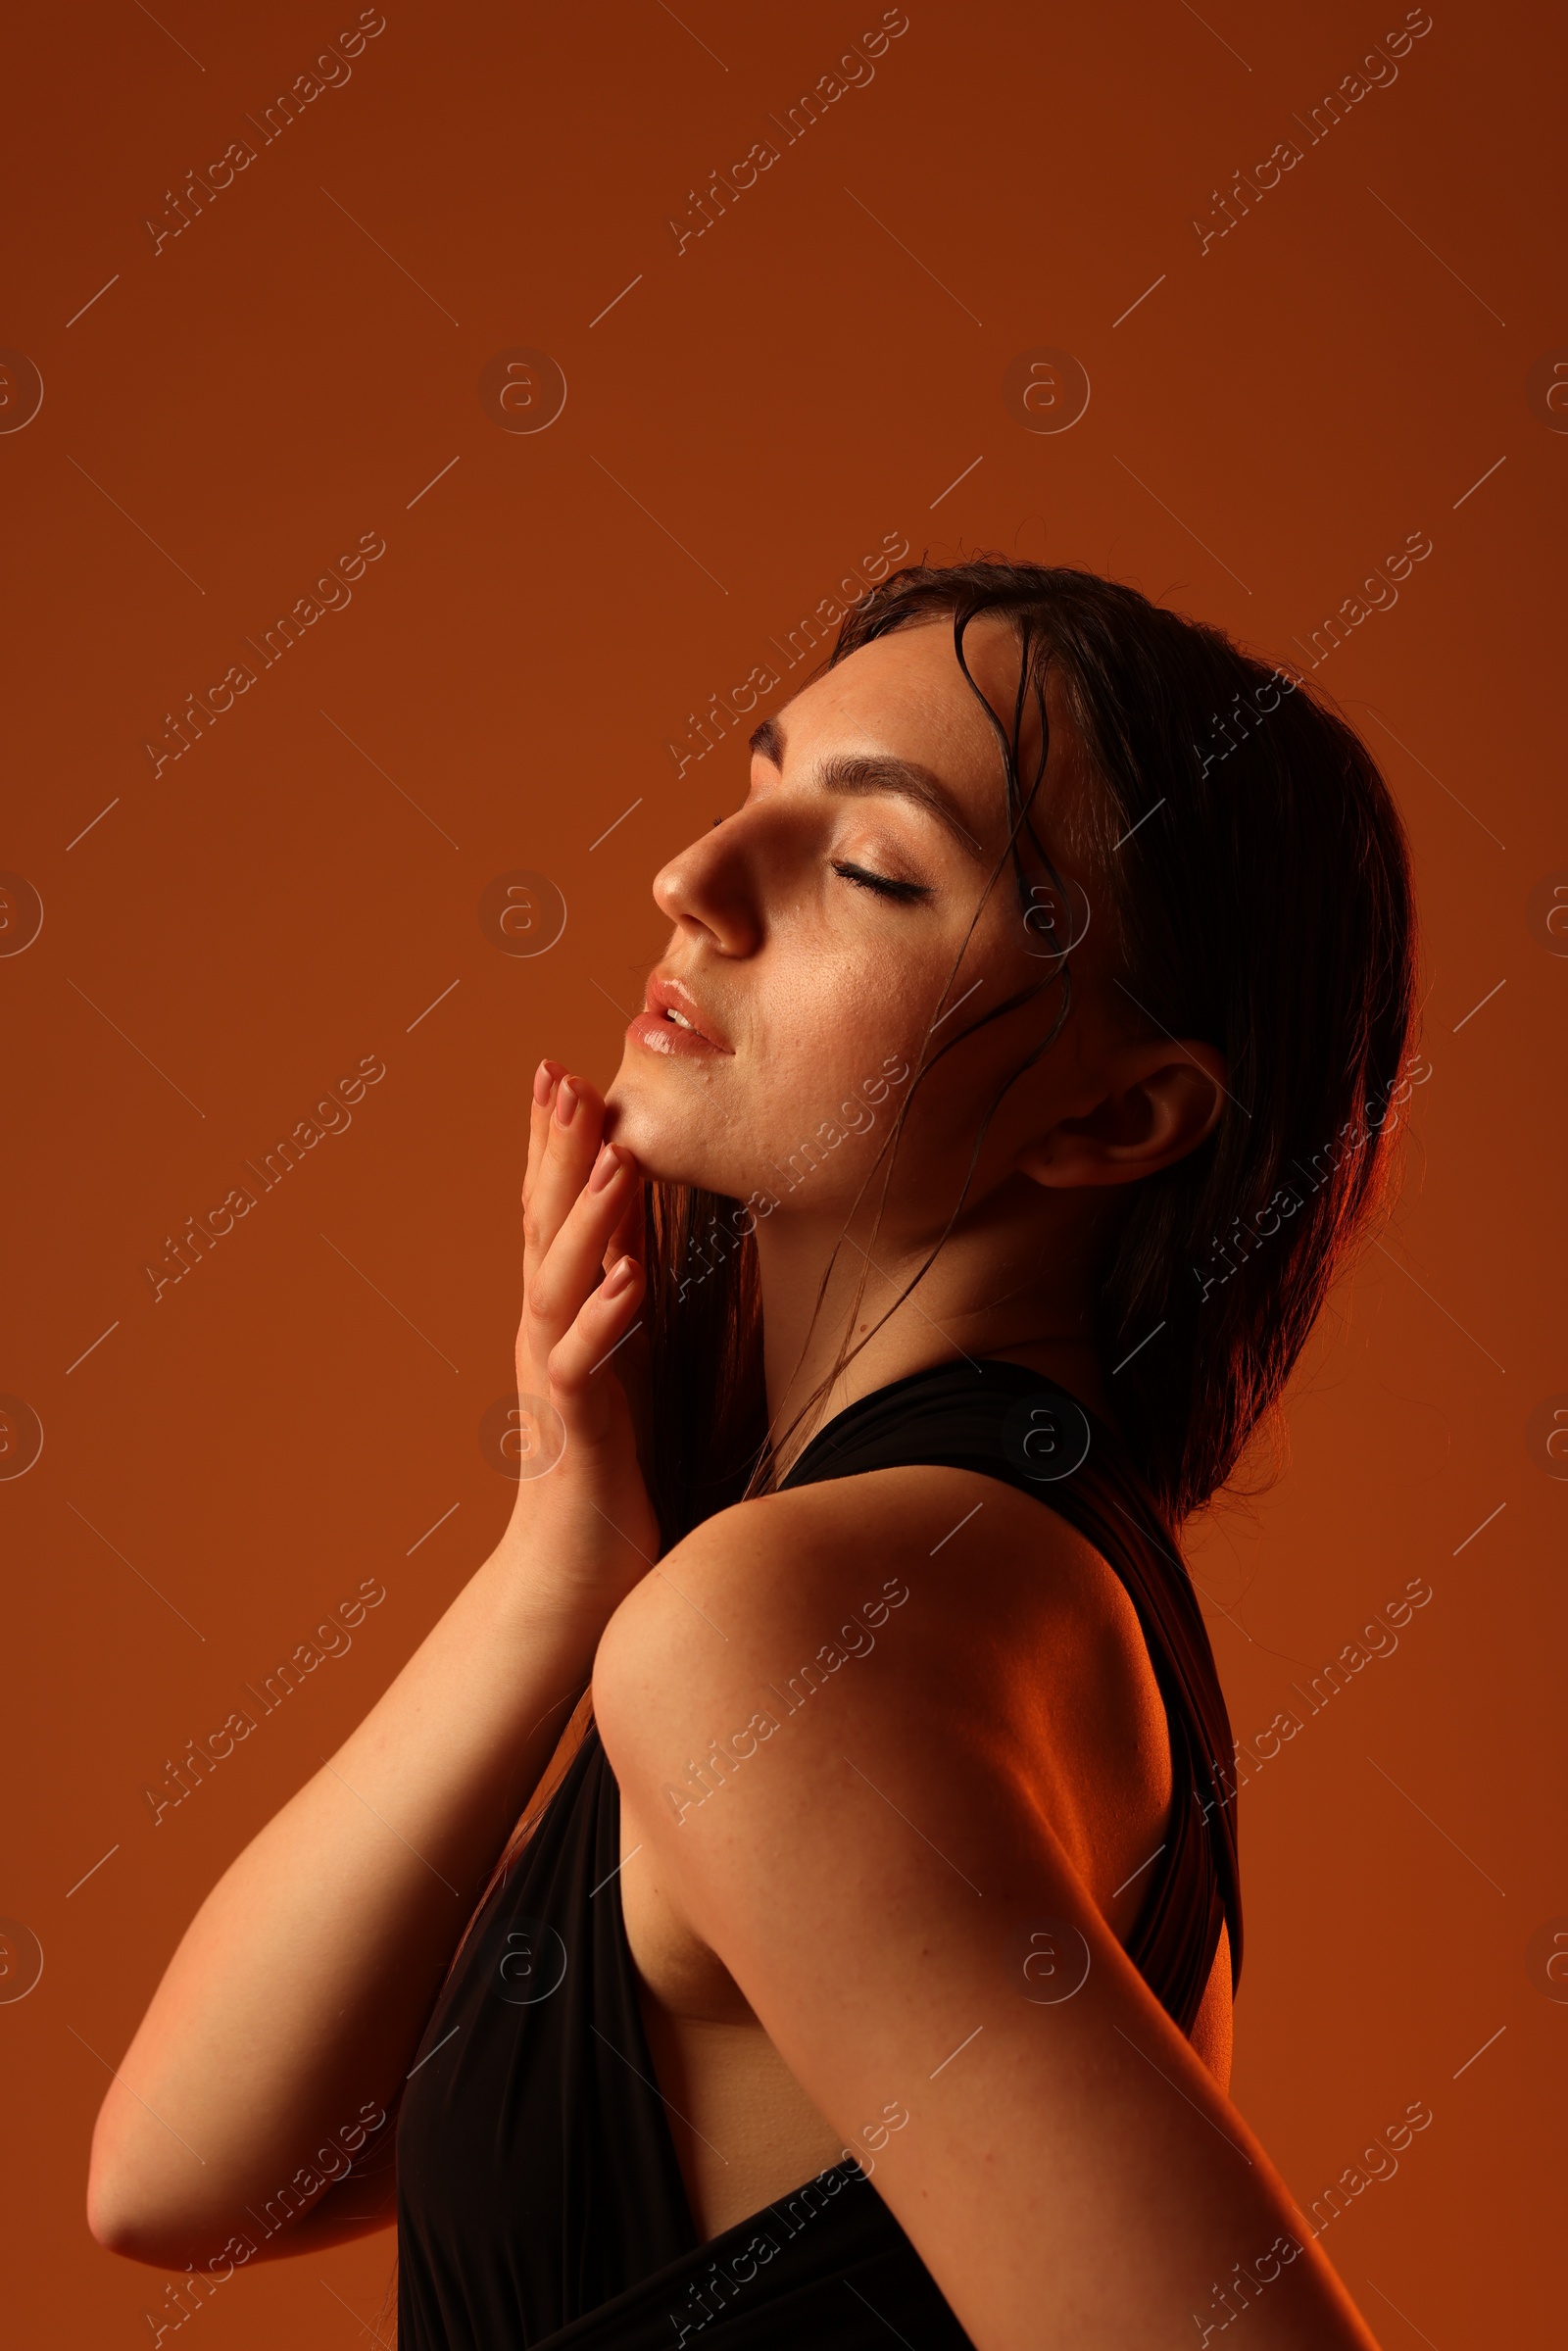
[1161, 1100]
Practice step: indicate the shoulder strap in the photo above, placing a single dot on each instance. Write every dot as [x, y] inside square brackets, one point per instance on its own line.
[1007, 1422]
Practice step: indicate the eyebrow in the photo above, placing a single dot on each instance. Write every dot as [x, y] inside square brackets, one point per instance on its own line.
[877, 771]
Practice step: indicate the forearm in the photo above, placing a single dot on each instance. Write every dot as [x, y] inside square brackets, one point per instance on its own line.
[295, 2000]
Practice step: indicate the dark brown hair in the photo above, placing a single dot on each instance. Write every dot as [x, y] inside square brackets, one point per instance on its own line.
[1258, 880]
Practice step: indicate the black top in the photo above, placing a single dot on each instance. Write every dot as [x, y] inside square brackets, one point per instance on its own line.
[540, 2201]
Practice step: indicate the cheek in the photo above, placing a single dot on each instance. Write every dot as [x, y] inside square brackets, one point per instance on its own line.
[789, 1115]
[827, 1011]
[831, 1018]
[823, 1037]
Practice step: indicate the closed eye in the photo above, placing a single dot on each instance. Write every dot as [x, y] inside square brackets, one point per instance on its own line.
[881, 883]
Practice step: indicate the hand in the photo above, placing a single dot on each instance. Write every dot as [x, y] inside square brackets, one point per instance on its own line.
[585, 1524]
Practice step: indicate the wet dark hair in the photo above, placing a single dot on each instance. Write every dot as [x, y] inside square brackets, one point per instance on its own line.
[1257, 876]
[1257, 872]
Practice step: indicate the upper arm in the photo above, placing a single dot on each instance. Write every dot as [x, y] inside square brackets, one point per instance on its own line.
[336, 2219]
[873, 1864]
[784, 1715]
[1012, 1653]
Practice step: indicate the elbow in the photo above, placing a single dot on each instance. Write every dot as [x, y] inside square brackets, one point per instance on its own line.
[140, 2236]
[110, 2220]
[114, 2221]
[128, 2223]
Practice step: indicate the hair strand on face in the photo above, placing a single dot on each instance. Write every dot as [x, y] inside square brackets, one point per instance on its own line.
[1281, 860]
[1243, 855]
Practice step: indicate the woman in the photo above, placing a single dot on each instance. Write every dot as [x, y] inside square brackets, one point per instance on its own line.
[1018, 1070]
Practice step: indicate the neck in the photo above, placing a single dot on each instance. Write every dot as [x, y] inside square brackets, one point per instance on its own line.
[1014, 1280]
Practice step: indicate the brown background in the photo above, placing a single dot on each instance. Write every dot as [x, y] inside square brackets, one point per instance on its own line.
[235, 410]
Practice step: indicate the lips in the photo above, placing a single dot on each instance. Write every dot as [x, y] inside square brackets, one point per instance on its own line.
[673, 1022]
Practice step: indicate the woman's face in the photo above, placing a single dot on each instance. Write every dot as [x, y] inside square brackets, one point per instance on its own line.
[819, 948]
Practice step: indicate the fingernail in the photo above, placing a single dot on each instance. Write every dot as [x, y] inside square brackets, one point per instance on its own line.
[606, 1168]
[544, 1082]
[566, 1104]
[619, 1277]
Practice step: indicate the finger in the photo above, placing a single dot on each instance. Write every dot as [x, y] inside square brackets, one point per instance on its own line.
[581, 1361]
[572, 1266]
[630, 1238]
[571, 1146]
[546, 1078]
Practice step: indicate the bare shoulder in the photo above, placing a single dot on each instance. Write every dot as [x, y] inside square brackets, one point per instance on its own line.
[933, 1621]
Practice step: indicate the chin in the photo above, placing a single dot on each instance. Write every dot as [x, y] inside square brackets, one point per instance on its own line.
[657, 1131]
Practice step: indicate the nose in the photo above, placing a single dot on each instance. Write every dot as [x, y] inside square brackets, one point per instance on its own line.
[710, 890]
